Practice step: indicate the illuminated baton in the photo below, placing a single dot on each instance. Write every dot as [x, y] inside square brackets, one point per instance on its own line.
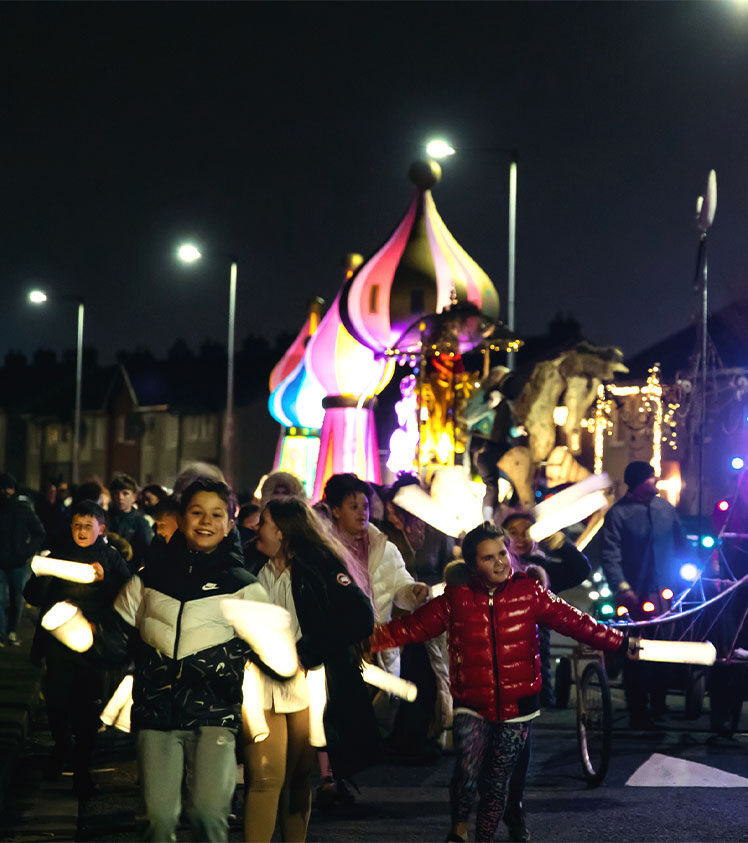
[317, 702]
[394, 685]
[68, 625]
[253, 705]
[569, 506]
[63, 569]
[117, 711]
[677, 652]
[267, 629]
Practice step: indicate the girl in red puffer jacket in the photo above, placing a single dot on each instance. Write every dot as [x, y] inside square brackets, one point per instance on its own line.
[492, 618]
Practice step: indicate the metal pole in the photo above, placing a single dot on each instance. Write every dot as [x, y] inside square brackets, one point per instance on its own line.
[228, 419]
[78, 385]
[512, 249]
[703, 378]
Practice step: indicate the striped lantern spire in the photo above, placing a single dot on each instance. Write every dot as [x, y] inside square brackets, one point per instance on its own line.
[295, 395]
[421, 269]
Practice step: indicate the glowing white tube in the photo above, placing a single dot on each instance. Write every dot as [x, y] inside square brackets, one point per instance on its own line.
[253, 708]
[267, 630]
[678, 652]
[317, 702]
[576, 510]
[113, 710]
[437, 589]
[63, 569]
[394, 685]
[68, 625]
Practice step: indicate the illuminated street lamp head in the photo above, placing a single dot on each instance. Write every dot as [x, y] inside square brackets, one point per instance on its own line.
[37, 297]
[439, 148]
[188, 253]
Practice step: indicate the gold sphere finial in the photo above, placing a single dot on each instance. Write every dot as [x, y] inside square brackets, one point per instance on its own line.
[424, 174]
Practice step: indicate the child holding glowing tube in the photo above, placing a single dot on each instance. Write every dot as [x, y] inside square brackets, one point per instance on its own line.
[303, 569]
[491, 615]
[189, 665]
[74, 687]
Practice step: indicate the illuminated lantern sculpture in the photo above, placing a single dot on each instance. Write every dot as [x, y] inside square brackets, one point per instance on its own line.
[296, 403]
[421, 273]
[351, 375]
[420, 270]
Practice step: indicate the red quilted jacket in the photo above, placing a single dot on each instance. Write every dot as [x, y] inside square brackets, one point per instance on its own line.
[494, 659]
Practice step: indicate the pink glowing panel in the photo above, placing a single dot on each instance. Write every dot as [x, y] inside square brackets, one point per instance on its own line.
[291, 359]
[340, 363]
[348, 442]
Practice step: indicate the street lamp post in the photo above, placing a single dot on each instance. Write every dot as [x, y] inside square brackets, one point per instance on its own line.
[440, 148]
[189, 253]
[40, 297]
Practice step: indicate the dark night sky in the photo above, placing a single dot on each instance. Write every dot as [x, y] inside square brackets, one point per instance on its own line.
[283, 133]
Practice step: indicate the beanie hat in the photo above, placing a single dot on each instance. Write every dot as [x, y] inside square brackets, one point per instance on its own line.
[637, 472]
[8, 481]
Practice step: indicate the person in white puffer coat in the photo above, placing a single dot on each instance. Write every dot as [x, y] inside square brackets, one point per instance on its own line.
[375, 564]
[378, 569]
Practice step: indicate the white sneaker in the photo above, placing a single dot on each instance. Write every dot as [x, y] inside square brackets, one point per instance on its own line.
[13, 639]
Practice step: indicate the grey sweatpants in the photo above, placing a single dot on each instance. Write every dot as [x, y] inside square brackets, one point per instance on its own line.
[206, 758]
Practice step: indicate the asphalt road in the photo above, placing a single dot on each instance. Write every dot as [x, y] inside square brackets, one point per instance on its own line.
[405, 802]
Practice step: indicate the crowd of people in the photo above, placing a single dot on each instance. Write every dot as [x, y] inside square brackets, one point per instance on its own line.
[362, 580]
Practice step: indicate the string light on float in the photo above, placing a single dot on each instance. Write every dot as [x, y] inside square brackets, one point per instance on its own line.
[689, 572]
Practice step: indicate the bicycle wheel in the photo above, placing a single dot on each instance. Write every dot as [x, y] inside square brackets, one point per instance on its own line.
[594, 723]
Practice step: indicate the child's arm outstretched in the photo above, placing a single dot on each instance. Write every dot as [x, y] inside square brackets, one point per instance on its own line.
[425, 623]
[553, 612]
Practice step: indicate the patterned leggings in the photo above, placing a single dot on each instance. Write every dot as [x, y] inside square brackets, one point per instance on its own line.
[486, 754]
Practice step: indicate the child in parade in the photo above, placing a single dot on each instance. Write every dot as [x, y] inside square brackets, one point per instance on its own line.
[304, 572]
[126, 520]
[189, 665]
[491, 615]
[74, 687]
[166, 517]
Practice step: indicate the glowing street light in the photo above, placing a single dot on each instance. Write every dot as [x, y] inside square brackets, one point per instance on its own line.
[189, 253]
[40, 297]
[439, 148]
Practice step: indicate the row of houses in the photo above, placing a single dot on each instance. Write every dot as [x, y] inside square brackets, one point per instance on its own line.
[148, 418]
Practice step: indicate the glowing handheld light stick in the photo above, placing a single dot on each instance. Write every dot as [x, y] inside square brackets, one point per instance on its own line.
[267, 630]
[63, 569]
[317, 684]
[117, 711]
[388, 683]
[677, 652]
[253, 714]
[68, 625]
[569, 506]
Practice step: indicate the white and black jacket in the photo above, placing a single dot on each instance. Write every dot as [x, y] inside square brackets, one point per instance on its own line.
[189, 663]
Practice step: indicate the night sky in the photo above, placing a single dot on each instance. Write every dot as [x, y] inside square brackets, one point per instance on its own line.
[283, 133]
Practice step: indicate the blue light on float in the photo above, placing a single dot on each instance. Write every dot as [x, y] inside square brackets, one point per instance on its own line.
[707, 541]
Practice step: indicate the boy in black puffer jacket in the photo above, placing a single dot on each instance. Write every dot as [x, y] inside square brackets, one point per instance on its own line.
[73, 685]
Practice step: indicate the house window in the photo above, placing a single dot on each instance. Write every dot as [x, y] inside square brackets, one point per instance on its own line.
[53, 435]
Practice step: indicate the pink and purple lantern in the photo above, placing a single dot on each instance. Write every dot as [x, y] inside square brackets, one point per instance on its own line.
[296, 403]
[420, 270]
[350, 375]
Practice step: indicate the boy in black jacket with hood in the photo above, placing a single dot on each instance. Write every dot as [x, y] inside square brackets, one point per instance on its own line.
[73, 685]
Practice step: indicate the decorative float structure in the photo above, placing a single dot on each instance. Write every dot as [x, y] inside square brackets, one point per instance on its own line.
[350, 375]
[296, 404]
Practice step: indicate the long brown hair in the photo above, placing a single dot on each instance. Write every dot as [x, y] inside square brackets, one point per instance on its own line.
[305, 535]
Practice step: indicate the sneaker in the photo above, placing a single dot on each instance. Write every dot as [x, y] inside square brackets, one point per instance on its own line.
[518, 831]
[14, 640]
[345, 794]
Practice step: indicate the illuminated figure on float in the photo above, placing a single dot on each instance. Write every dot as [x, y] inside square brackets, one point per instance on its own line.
[350, 376]
[296, 403]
